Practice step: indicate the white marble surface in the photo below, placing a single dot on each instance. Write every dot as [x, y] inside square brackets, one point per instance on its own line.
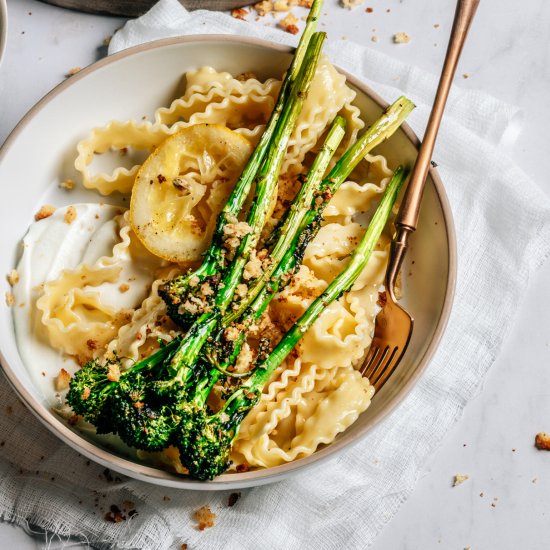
[508, 55]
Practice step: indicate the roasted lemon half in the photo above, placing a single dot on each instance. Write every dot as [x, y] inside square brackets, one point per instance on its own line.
[181, 188]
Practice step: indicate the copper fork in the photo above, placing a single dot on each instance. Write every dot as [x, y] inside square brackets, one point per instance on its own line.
[393, 326]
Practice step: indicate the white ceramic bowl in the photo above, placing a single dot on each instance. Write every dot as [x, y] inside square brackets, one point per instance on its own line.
[40, 152]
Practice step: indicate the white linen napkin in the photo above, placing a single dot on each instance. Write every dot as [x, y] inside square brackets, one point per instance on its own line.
[503, 228]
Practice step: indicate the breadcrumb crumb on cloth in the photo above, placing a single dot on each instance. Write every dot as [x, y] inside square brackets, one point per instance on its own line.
[205, 518]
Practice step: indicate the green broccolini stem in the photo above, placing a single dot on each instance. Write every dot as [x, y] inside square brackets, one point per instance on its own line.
[342, 283]
[267, 178]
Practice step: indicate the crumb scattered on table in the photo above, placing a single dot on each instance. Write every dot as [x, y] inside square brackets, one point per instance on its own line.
[465, 75]
[459, 479]
[401, 38]
[351, 3]
[124, 288]
[289, 24]
[239, 13]
[73, 71]
[205, 518]
[374, 38]
[542, 441]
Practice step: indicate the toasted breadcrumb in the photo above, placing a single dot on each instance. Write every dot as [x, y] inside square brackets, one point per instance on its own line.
[289, 24]
[281, 5]
[205, 518]
[206, 289]
[114, 373]
[62, 380]
[542, 441]
[70, 215]
[73, 71]
[13, 277]
[465, 75]
[45, 212]
[183, 546]
[244, 359]
[124, 288]
[253, 268]
[264, 7]
[241, 290]
[239, 13]
[305, 3]
[351, 3]
[231, 333]
[10, 299]
[401, 38]
[238, 229]
[374, 38]
[194, 281]
[115, 515]
[67, 184]
[459, 479]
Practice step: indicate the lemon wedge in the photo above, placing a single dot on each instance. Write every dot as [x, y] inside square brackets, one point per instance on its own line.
[182, 187]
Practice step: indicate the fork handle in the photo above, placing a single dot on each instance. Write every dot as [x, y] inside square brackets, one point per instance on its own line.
[407, 218]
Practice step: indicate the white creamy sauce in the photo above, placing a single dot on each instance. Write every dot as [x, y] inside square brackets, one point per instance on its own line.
[50, 246]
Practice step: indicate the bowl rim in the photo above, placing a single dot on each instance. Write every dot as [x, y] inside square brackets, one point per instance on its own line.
[256, 477]
[3, 27]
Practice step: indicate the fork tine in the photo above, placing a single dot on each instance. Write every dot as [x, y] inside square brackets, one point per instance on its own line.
[388, 368]
[375, 366]
[373, 351]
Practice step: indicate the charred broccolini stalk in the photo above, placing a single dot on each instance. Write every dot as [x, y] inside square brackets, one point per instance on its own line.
[204, 440]
[175, 291]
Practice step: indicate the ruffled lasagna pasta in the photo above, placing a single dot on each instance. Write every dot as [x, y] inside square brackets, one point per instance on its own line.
[110, 304]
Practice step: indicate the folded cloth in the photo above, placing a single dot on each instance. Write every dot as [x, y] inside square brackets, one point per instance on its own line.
[503, 228]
